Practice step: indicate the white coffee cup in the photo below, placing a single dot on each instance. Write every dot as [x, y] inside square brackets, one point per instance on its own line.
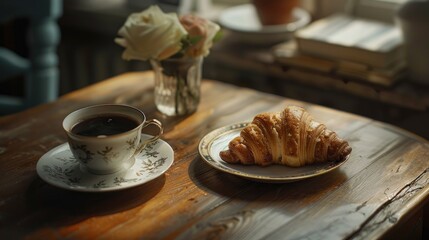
[102, 153]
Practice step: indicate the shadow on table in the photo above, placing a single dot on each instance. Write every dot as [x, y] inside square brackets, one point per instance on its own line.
[214, 181]
[53, 206]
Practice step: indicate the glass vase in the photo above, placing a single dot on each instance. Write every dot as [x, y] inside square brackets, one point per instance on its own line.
[177, 85]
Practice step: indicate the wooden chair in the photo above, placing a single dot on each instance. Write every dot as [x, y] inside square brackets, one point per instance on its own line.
[40, 69]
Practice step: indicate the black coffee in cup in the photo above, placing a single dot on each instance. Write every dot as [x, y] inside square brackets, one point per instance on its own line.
[104, 125]
[106, 138]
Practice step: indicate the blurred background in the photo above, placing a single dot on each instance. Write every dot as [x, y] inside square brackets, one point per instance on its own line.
[268, 58]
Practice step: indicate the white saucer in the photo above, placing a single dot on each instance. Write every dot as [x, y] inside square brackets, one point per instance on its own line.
[216, 141]
[59, 168]
[243, 21]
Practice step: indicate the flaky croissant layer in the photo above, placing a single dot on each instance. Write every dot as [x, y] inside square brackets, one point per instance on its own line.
[290, 137]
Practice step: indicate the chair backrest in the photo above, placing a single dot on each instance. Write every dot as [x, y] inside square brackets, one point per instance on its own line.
[40, 69]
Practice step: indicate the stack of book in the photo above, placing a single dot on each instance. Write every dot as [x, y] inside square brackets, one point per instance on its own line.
[348, 47]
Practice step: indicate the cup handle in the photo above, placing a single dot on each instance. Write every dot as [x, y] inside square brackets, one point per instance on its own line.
[143, 144]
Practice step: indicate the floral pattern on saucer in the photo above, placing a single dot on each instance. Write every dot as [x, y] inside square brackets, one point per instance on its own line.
[59, 168]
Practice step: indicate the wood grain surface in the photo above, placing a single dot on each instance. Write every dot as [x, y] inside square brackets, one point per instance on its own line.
[381, 186]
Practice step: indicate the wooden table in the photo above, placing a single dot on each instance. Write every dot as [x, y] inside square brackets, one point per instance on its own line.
[379, 192]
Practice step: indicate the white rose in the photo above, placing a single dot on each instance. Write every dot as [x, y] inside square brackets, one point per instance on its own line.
[151, 34]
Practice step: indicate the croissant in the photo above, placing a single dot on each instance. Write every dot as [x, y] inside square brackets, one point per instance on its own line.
[290, 137]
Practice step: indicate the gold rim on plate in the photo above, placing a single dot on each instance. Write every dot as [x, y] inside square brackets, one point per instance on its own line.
[218, 139]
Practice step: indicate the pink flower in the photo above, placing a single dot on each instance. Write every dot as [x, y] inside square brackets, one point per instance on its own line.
[153, 34]
[200, 30]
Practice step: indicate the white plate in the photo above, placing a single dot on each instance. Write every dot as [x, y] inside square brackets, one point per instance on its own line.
[216, 141]
[59, 168]
[244, 22]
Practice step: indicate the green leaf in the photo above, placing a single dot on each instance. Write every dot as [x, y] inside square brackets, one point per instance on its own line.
[218, 36]
[194, 40]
